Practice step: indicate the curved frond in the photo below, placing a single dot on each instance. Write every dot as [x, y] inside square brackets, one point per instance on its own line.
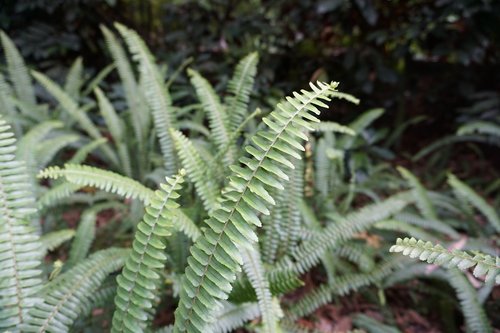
[330, 126]
[65, 297]
[82, 153]
[436, 254]
[18, 72]
[156, 95]
[139, 279]
[466, 192]
[197, 170]
[218, 119]
[54, 239]
[215, 255]
[233, 316]
[239, 88]
[84, 175]
[20, 248]
[74, 79]
[481, 127]
[420, 194]
[29, 142]
[474, 314]
[57, 193]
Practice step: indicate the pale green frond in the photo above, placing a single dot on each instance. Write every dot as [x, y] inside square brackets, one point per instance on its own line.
[137, 283]
[481, 127]
[420, 194]
[157, 96]
[74, 79]
[239, 88]
[358, 254]
[360, 124]
[48, 149]
[7, 106]
[54, 195]
[341, 286]
[465, 191]
[116, 128]
[20, 248]
[82, 153]
[372, 325]
[54, 239]
[330, 126]
[197, 170]
[234, 316]
[483, 265]
[217, 116]
[108, 181]
[18, 72]
[434, 225]
[475, 316]
[405, 228]
[65, 296]
[94, 83]
[215, 257]
[253, 268]
[139, 113]
[310, 251]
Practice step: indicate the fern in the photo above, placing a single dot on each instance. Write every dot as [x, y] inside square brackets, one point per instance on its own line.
[18, 71]
[84, 175]
[20, 248]
[420, 194]
[74, 79]
[138, 281]
[54, 239]
[329, 126]
[233, 316]
[65, 297]
[252, 265]
[471, 307]
[7, 106]
[156, 95]
[436, 254]
[218, 119]
[215, 256]
[465, 191]
[83, 152]
[57, 193]
[239, 89]
[481, 127]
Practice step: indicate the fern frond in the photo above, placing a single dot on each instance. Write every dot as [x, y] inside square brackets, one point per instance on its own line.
[373, 325]
[420, 194]
[18, 72]
[94, 83]
[473, 198]
[481, 127]
[140, 114]
[330, 126]
[84, 175]
[57, 193]
[65, 296]
[137, 282]
[197, 170]
[82, 153]
[233, 316]
[252, 266]
[7, 107]
[435, 225]
[358, 125]
[20, 248]
[309, 253]
[357, 254]
[475, 317]
[156, 95]
[218, 119]
[116, 128]
[48, 149]
[74, 79]
[436, 254]
[54, 239]
[341, 286]
[239, 89]
[215, 256]
[405, 228]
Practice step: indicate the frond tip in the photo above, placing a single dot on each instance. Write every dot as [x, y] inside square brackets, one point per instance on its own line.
[437, 254]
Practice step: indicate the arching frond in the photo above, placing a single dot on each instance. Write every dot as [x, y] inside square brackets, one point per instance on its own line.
[85, 175]
[74, 79]
[20, 248]
[233, 316]
[7, 106]
[481, 127]
[28, 143]
[239, 89]
[330, 126]
[436, 254]
[18, 71]
[341, 286]
[82, 153]
[465, 191]
[253, 268]
[215, 256]
[474, 314]
[218, 119]
[138, 281]
[197, 171]
[57, 193]
[54, 239]
[64, 298]
[48, 149]
[156, 95]
[420, 194]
